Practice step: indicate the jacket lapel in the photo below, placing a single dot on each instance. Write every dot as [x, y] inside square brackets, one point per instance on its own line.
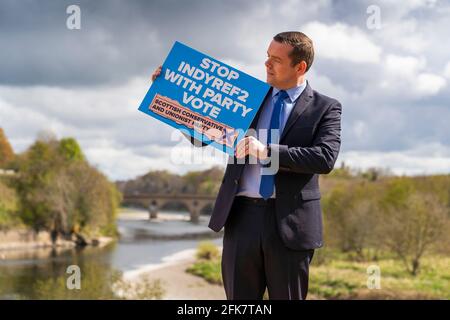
[254, 123]
[300, 106]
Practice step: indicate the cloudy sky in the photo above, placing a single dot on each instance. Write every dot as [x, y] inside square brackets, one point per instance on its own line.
[391, 75]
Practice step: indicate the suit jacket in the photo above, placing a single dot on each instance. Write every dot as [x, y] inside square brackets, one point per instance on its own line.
[308, 146]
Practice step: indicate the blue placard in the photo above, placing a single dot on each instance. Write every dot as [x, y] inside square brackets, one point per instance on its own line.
[208, 99]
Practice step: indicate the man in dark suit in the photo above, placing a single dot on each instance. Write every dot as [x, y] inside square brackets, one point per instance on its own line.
[273, 218]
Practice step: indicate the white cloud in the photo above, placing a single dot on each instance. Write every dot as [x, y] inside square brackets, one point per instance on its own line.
[409, 74]
[422, 160]
[124, 163]
[405, 34]
[404, 66]
[308, 10]
[21, 124]
[323, 84]
[447, 70]
[429, 84]
[404, 7]
[257, 69]
[83, 107]
[360, 130]
[342, 42]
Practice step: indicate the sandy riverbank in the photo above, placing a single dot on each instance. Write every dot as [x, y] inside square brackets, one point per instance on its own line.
[177, 283]
[180, 285]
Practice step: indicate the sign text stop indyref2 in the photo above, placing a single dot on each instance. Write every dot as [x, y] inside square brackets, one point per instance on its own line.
[206, 98]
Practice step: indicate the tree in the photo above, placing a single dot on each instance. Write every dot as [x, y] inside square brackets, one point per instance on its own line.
[62, 193]
[412, 222]
[97, 200]
[6, 151]
[35, 168]
[374, 174]
[203, 182]
[194, 182]
[350, 216]
[70, 149]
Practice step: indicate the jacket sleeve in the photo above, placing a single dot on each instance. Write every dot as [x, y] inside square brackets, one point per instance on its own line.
[321, 156]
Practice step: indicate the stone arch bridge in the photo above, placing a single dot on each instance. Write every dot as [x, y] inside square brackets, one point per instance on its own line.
[154, 202]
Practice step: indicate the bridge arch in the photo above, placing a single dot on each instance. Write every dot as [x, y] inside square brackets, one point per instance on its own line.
[154, 202]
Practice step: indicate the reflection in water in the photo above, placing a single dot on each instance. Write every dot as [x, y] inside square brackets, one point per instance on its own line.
[34, 278]
[41, 273]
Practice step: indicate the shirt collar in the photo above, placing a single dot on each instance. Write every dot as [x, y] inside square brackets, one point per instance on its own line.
[293, 93]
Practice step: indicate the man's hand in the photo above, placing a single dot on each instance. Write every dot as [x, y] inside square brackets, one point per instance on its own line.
[156, 73]
[253, 147]
[213, 133]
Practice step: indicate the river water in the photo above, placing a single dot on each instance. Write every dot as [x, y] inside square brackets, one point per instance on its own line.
[144, 244]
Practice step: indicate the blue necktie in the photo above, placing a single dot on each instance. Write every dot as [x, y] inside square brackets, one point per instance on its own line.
[267, 181]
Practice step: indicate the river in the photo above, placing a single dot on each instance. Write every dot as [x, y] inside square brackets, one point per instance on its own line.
[143, 244]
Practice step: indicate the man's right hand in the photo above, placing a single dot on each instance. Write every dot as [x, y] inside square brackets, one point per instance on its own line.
[156, 73]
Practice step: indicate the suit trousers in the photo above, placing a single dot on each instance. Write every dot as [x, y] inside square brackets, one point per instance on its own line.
[254, 256]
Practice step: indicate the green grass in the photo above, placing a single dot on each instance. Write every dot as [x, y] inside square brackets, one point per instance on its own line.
[338, 277]
[344, 279]
[210, 270]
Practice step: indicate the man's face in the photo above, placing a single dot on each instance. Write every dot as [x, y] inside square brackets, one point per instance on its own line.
[280, 73]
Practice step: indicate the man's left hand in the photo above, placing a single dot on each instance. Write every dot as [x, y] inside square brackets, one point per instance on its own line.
[253, 147]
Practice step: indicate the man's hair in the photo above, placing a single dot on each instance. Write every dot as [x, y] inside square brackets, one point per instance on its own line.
[303, 49]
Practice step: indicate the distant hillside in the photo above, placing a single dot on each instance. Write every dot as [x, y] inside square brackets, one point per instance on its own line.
[195, 182]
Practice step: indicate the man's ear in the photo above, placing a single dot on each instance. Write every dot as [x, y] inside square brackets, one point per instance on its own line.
[301, 67]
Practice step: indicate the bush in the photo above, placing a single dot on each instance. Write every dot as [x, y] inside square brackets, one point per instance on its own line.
[207, 250]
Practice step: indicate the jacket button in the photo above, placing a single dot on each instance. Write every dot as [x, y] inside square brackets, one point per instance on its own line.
[236, 181]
